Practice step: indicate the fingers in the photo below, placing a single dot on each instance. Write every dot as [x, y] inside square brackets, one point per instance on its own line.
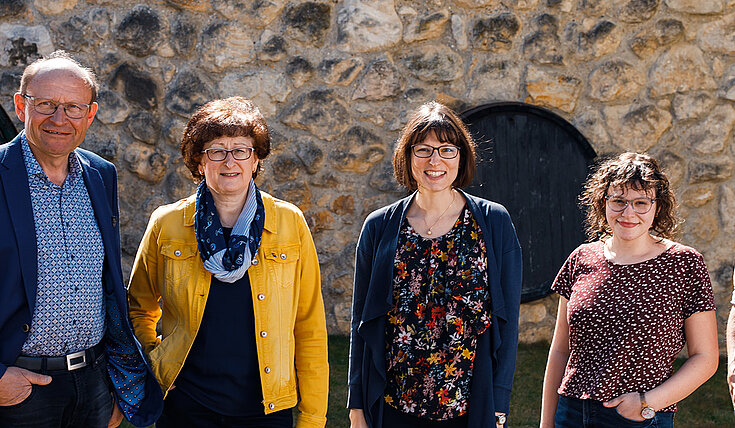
[614, 402]
[35, 378]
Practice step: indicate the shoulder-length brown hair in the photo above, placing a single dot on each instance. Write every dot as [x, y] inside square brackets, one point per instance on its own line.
[629, 171]
[229, 117]
[448, 128]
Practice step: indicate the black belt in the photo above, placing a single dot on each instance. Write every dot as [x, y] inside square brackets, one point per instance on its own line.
[70, 362]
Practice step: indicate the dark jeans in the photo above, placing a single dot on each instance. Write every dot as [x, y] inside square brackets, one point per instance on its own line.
[577, 413]
[79, 398]
[179, 410]
[393, 418]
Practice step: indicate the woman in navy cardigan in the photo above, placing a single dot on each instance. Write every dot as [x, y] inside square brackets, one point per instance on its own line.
[437, 292]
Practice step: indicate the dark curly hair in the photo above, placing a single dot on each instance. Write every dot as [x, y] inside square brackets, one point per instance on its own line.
[229, 117]
[629, 171]
[448, 128]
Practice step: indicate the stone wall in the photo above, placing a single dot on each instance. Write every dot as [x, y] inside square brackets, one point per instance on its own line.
[336, 78]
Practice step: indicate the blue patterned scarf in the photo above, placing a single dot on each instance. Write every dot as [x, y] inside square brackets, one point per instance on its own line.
[228, 261]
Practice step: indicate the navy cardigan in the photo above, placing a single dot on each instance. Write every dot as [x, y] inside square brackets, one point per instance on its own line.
[495, 360]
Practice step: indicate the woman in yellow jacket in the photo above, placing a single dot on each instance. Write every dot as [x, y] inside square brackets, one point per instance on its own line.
[233, 276]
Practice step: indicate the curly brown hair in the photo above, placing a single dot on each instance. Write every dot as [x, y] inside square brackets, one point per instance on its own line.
[448, 128]
[229, 117]
[629, 171]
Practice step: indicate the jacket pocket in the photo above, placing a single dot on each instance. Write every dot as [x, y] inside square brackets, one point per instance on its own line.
[282, 263]
[178, 264]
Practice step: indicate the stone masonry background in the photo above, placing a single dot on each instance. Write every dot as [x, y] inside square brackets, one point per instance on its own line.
[335, 80]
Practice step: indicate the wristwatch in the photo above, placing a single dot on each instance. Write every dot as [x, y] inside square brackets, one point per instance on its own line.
[647, 411]
[500, 419]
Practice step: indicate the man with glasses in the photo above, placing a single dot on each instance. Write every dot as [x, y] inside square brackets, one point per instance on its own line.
[65, 340]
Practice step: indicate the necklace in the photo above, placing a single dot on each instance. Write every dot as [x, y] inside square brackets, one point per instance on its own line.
[428, 232]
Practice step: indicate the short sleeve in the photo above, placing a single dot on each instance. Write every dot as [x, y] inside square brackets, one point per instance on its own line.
[565, 278]
[699, 291]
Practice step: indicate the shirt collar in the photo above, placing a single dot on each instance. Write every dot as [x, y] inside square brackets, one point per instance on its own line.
[34, 168]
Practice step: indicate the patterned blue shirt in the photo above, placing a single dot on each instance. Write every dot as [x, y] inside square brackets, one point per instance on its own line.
[69, 315]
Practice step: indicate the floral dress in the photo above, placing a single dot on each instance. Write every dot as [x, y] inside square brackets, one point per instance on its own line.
[441, 304]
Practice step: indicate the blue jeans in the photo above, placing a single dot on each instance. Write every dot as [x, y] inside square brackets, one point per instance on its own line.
[576, 413]
[78, 398]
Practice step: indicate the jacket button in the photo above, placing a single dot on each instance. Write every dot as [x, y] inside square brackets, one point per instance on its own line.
[177, 253]
[271, 406]
[267, 370]
[261, 296]
[255, 261]
[263, 333]
[26, 328]
[283, 256]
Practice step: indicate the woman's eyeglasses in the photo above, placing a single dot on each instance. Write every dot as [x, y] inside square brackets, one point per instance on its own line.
[425, 151]
[639, 205]
[238, 153]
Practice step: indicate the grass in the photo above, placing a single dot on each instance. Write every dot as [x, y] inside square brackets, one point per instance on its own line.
[707, 407]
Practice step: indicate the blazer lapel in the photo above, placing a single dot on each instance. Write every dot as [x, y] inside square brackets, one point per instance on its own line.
[14, 180]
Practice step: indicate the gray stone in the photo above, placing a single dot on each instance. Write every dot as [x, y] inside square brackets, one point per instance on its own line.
[79, 29]
[285, 167]
[54, 7]
[637, 128]
[102, 145]
[613, 80]
[12, 8]
[381, 80]
[682, 68]
[9, 83]
[495, 33]
[697, 196]
[603, 38]
[550, 89]
[594, 7]
[494, 80]
[717, 169]
[591, 124]
[300, 70]
[264, 88]
[112, 107]
[188, 92]
[434, 63]
[174, 131]
[711, 135]
[643, 44]
[139, 31]
[718, 36]
[190, 5]
[381, 178]
[728, 90]
[727, 208]
[340, 71]
[357, 151]
[427, 26]
[144, 127]
[145, 162]
[543, 48]
[673, 165]
[368, 25]
[259, 13]
[225, 45]
[137, 86]
[183, 35]
[669, 31]
[696, 6]
[320, 112]
[638, 10]
[691, 105]
[476, 3]
[308, 21]
[309, 153]
[459, 32]
[22, 44]
[271, 47]
[178, 183]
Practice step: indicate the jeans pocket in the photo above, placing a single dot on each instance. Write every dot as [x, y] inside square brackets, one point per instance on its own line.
[631, 422]
[25, 401]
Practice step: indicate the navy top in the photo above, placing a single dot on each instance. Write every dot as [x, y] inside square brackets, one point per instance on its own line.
[221, 371]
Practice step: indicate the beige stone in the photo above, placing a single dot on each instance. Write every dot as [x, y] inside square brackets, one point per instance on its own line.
[365, 26]
[229, 46]
[342, 71]
[718, 37]
[727, 208]
[381, 80]
[696, 6]
[703, 225]
[258, 13]
[682, 68]
[613, 80]
[477, 3]
[551, 89]
[711, 135]
[697, 196]
[691, 105]
[494, 81]
[428, 26]
[591, 124]
[264, 88]
[637, 128]
[343, 205]
[191, 5]
[459, 31]
[145, 162]
[54, 7]
[643, 45]
[532, 313]
[597, 39]
[434, 63]
[31, 38]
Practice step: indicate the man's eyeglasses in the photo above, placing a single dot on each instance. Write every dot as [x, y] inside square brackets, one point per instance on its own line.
[425, 151]
[49, 107]
[238, 153]
[639, 205]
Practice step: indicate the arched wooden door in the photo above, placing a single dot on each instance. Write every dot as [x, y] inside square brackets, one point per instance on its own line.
[534, 163]
[7, 129]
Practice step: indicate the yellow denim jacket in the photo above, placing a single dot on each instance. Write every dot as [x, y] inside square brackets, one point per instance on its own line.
[287, 302]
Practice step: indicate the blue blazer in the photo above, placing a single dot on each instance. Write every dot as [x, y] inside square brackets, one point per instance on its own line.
[372, 298]
[18, 262]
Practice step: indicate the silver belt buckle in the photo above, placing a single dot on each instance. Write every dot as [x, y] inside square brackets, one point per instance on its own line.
[72, 364]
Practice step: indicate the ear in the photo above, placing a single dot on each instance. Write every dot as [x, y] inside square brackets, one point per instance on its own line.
[92, 112]
[20, 106]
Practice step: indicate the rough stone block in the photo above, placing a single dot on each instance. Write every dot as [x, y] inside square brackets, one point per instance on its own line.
[717, 169]
[495, 33]
[433, 63]
[682, 68]
[551, 89]
[711, 135]
[53, 7]
[188, 92]
[427, 26]
[613, 80]
[308, 21]
[320, 112]
[139, 31]
[340, 71]
[365, 26]
[225, 45]
[112, 107]
[637, 128]
[137, 86]
[696, 6]
[719, 36]
[381, 80]
[357, 151]
[300, 70]
[22, 44]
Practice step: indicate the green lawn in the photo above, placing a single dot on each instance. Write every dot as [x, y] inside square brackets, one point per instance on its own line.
[709, 406]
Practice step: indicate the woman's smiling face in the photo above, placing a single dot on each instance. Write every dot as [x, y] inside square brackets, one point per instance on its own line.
[434, 173]
[230, 176]
[629, 225]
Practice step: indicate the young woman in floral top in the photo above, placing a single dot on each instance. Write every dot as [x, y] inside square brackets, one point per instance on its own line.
[629, 302]
[437, 292]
